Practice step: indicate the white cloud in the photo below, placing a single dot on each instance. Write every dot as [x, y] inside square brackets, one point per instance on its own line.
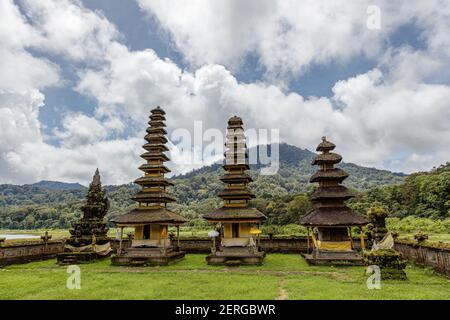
[387, 117]
[288, 36]
[19, 70]
[66, 27]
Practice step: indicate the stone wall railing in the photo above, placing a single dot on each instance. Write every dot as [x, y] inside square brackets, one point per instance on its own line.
[29, 251]
[276, 244]
[425, 255]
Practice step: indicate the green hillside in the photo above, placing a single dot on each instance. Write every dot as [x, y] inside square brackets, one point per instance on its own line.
[281, 196]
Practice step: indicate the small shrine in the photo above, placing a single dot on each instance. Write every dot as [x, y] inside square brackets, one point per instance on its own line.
[383, 253]
[329, 223]
[236, 222]
[151, 219]
[88, 237]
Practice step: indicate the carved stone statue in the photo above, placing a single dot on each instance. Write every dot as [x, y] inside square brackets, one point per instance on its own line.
[92, 224]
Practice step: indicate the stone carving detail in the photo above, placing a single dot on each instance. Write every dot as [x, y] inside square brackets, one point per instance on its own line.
[91, 227]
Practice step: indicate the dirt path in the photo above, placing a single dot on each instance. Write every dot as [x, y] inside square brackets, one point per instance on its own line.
[335, 275]
[283, 293]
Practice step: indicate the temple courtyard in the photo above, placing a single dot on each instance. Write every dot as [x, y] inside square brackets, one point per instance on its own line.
[282, 276]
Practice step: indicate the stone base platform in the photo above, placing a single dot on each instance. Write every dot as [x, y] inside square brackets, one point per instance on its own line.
[347, 258]
[66, 258]
[236, 256]
[143, 257]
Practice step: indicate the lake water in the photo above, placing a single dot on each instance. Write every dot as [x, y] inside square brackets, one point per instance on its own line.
[18, 236]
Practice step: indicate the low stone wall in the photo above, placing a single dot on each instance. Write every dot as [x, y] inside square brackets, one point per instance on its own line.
[29, 251]
[12, 253]
[425, 255]
[274, 245]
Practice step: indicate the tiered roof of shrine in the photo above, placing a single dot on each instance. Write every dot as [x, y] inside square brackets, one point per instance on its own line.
[153, 197]
[235, 195]
[329, 197]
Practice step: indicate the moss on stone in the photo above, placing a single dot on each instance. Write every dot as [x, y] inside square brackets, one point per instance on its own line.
[389, 261]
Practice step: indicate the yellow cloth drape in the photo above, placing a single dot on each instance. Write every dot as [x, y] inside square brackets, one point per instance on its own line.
[314, 240]
[363, 245]
[335, 245]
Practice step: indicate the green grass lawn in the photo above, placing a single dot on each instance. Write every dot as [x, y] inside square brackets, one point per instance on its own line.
[281, 277]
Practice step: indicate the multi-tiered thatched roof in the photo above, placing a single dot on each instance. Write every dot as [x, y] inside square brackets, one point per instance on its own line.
[153, 198]
[235, 195]
[328, 198]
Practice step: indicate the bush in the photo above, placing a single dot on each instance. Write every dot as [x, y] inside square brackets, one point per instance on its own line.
[411, 224]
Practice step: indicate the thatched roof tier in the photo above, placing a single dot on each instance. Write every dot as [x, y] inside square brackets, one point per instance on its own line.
[235, 122]
[236, 178]
[329, 157]
[142, 215]
[157, 124]
[160, 181]
[158, 110]
[157, 138]
[229, 193]
[156, 130]
[235, 153]
[153, 196]
[337, 192]
[325, 145]
[236, 167]
[154, 156]
[335, 174]
[154, 168]
[330, 217]
[236, 214]
[155, 147]
[157, 117]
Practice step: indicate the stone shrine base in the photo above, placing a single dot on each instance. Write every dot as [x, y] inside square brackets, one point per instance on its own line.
[345, 258]
[147, 257]
[66, 258]
[236, 256]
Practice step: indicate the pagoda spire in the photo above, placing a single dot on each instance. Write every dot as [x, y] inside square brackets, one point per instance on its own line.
[153, 184]
[330, 217]
[96, 180]
[237, 221]
[151, 218]
[235, 193]
[94, 211]
[330, 196]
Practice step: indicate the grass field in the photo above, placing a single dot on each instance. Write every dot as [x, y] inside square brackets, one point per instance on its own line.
[281, 277]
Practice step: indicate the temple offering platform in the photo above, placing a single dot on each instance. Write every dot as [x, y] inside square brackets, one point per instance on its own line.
[350, 258]
[66, 258]
[236, 256]
[148, 257]
[84, 254]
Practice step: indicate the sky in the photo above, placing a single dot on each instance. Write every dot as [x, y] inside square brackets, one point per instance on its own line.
[78, 78]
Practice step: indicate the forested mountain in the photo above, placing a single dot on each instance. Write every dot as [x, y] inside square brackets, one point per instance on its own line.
[56, 185]
[422, 194]
[281, 196]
